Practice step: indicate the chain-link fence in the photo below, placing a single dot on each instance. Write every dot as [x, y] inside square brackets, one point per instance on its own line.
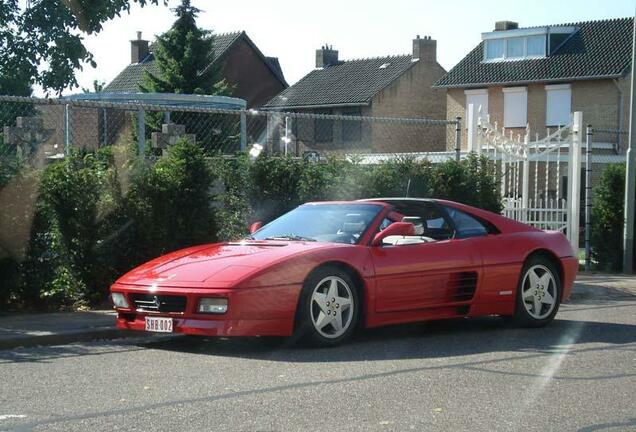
[51, 128]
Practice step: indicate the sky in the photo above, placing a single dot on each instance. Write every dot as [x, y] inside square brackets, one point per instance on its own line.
[293, 30]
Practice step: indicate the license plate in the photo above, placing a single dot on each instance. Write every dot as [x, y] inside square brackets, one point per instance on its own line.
[160, 325]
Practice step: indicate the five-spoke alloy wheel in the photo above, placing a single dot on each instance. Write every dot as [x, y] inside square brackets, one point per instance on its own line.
[328, 308]
[539, 292]
[331, 311]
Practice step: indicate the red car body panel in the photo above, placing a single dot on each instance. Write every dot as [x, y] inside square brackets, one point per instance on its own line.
[262, 280]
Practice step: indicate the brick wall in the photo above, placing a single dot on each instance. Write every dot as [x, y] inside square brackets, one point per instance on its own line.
[252, 79]
[412, 95]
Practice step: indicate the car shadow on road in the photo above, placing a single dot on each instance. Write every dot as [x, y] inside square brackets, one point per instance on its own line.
[449, 338]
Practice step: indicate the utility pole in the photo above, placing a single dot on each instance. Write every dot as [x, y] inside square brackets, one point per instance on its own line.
[630, 174]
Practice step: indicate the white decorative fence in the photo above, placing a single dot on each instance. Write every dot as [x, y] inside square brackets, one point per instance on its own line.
[539, 177]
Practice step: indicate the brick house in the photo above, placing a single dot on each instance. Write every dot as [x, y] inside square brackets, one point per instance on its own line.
[255, 77]
[392, 86]
[538, 76]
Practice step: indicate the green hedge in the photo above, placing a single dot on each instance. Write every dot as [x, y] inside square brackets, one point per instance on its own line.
[69, 230]
[91, 217]
[607, 219]
[270, 186]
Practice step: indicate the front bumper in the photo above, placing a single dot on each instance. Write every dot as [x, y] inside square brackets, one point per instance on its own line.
[266, 311]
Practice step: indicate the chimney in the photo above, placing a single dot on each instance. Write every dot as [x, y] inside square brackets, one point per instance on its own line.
[326, 56]
[506, 25]
[138, 49]
[425, 49]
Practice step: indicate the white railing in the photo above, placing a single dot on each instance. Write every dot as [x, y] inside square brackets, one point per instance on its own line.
[548, 214]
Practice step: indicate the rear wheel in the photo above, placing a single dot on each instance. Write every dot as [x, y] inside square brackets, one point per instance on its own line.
[538, 293]
[329, 308]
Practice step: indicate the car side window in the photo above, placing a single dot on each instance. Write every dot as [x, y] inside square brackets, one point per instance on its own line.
[466, 225]
[437, 226]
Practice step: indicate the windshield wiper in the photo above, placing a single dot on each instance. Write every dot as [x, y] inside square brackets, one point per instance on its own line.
[292, 237]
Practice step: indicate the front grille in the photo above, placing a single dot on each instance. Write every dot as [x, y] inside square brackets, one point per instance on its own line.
[159, 303]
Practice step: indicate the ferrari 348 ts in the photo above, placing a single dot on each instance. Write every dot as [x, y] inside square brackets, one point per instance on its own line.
[326, 268]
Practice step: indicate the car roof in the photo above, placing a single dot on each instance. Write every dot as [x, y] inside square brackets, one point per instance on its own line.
[372, 202]
[388, 199]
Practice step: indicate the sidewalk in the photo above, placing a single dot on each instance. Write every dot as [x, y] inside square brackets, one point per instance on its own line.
[63, 328]
[57, 328]
[604, 287]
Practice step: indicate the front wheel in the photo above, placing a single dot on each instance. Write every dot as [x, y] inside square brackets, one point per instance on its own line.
[538, 293]
[328, 308]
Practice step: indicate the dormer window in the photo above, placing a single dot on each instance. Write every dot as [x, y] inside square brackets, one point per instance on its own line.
[515, 48]
[508, 42]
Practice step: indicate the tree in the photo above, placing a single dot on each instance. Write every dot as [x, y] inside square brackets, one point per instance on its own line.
[184, 57]
[42, 43]
[98, 87]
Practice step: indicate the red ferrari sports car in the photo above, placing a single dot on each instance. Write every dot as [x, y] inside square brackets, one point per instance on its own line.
[326, 268]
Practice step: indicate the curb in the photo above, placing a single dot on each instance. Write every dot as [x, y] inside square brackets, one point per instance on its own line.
[66, 337]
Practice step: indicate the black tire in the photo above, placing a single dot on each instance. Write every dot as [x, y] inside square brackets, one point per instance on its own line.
[306, 332]
[522, 316]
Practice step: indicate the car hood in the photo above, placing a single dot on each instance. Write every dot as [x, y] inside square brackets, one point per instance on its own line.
[215, 265]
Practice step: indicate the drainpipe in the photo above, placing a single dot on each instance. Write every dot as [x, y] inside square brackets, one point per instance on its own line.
[620, 115]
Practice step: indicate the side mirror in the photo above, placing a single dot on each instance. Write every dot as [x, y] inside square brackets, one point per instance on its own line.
[255, 226]
[396, 228]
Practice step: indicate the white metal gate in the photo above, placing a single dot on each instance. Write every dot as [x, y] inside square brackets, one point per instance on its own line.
[539, 178]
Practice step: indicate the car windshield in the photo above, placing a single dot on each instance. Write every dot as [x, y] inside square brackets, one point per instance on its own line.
[339, 223]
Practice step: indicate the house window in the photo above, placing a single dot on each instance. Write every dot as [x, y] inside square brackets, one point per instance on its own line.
[352, 129]
[479, 98]
[514, 47]
[323, 129]
[535, 46]
[558, 104]
[494, 49]
[515, 107]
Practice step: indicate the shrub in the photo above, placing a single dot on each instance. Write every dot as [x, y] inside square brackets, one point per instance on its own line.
[80, 193]
[274, 184]
[234, 211]
[607, 218]
[169, 202]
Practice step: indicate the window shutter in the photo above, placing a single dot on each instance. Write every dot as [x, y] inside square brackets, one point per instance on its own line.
[558, 104]
[515, 107]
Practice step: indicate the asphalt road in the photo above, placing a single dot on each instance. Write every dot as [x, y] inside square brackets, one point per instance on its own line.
[579, 374]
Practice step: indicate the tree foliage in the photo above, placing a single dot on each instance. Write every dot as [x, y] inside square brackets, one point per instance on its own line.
[42, 43]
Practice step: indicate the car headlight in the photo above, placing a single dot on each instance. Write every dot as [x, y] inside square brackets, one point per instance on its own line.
[215, 305]
[119, 300]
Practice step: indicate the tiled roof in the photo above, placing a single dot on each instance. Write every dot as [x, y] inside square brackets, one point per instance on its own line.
[598, 49]
[129, 79]
[349, 83]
